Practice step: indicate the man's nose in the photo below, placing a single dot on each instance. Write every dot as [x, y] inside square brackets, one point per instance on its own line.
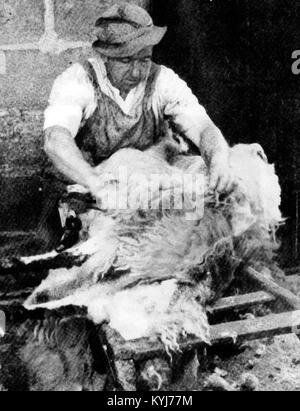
[135, 70]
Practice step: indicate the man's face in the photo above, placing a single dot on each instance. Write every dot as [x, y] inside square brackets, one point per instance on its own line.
[127, 72]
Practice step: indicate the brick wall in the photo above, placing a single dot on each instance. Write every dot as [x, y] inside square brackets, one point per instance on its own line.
[38, 40]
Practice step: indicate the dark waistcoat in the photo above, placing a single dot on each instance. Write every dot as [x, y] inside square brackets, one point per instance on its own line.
[110, 129]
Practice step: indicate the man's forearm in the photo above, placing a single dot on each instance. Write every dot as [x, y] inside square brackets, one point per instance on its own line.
[215, 151]
[66, 156]
[213, 146]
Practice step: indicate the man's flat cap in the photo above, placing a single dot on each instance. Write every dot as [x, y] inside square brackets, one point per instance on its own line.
[125, 29]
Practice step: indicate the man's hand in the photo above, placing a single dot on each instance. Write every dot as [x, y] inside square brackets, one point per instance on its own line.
[95, 185]
[220, 176]
[61, 148]
[215, 152]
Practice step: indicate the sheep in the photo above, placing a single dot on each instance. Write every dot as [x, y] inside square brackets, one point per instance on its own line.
[148, 273]
[146, 256]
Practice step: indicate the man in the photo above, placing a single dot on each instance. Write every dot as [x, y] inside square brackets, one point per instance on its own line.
[120, 98]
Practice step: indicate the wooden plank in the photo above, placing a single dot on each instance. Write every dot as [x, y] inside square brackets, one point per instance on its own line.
[11, 303]
[237, 331]
[22, 294]
[292, 277]
[15, 299]
[240, 302]
[17, 235]
[263, 327]
[286, 297]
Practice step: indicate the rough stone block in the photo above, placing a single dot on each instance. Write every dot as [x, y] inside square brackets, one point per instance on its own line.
[26, 203]
[21, 156]
[21, 21]
[21, 201]
[75, 19]
[2, 63]
[21, 145]
[30, 75]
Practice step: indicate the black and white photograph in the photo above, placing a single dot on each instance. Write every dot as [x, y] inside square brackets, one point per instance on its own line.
[150, 198]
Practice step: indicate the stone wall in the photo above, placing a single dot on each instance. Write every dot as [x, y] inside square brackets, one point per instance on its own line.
[38, 40]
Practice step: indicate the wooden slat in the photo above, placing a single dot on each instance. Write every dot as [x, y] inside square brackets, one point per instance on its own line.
[293, 277]
[263, 327]
[237, 331]
[6, 304]
[14, 299]
[17, 235]
[286, 297]
[16, 294]
[240, 302]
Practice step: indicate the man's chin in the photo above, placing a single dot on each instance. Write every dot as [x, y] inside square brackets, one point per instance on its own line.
[132, 84]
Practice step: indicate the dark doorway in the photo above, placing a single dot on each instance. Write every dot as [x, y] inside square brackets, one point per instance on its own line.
[236, 55]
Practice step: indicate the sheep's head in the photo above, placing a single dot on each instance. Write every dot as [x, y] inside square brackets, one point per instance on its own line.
[257, 150]
[257, 197]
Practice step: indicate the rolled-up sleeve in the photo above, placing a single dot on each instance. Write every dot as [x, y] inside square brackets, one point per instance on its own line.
[176, 100]
[72, 98]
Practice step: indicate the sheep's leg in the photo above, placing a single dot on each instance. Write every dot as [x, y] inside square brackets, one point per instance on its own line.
[126, 374]
[95, 225]
[156, 374]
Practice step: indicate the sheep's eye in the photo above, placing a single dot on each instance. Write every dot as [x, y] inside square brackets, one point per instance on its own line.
[262, 156]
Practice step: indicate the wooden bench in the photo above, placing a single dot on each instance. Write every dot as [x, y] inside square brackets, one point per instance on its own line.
[125, 357]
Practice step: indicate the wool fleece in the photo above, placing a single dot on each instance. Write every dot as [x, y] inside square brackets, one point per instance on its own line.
[152, 272]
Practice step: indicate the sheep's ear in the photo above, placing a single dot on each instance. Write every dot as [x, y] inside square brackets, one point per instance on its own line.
[259, 151]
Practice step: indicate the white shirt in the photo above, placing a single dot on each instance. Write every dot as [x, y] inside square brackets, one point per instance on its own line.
[73, 99]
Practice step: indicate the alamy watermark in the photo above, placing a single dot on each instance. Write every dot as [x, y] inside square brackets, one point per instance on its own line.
[2, 324]
[296, 63]
[122, 190]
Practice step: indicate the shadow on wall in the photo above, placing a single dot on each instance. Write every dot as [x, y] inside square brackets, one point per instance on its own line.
[29, 222]
[236, 56]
